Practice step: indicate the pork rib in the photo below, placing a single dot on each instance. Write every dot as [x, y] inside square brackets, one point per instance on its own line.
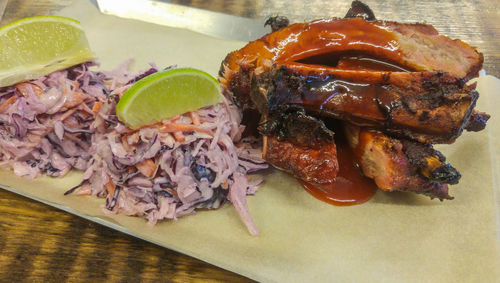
[300, 144]
[315, 165]
[430, 107]
[423, 97]
[400, 87]
[401, 165]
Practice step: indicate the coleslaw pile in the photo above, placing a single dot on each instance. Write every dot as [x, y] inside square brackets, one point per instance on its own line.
[45, 123]
[170, 169]
[67, 120]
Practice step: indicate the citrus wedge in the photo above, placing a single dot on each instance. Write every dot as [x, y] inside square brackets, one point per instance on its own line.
[37, 46]
[165, 94]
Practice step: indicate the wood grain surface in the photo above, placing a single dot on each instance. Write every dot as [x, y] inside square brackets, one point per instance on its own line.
[41, 244]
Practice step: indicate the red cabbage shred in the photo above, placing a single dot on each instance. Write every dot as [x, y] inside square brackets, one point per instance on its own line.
[164, 171]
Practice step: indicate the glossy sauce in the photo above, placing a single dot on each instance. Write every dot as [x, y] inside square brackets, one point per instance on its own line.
[367, 63]
[300, 41]
[350, 186]
[342, 45]
[355, 61]
[366, 103]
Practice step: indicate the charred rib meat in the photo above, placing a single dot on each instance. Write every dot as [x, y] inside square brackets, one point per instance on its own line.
[300, 144]
[423, 73]
[360, 10]
[277, 22]
[317, 165]
[398, 87]
[401, 165]
[477, 121]
[429, 107]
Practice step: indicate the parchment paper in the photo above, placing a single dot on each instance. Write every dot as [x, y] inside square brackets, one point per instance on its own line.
[395, 237]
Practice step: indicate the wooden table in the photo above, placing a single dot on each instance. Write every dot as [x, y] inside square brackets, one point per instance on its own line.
[43, 244]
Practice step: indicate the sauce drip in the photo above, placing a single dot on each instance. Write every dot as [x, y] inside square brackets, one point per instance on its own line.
[367, 63]
[342, 45]
[354, 61]
[350, 187]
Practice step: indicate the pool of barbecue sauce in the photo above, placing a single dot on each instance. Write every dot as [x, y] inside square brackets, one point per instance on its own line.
[350, 187]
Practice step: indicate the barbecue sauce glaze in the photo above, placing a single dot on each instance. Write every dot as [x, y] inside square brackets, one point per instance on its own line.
[350, 187]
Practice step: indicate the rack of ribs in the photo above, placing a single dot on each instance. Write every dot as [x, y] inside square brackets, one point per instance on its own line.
[397, 87]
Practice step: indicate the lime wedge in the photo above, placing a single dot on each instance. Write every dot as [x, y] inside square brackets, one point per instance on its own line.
[37, 46]
[165, 94]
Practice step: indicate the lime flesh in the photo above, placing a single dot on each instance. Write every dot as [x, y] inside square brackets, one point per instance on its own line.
[37, 46]
[166, 94]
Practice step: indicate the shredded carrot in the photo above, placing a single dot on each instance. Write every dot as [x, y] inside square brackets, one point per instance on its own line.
[175, 118]
[63, 117]
[179, 136]
[172, 128]
[74, 99]
[131, 131]
[130, 139]
[147, 167]
[24, 89]
[96, 107]
[85, 190]
[264, 146]
[195, 117]
[171, 120]
[125, 144]
[6, 103]
[110, 187]
[133, 138]
[37, 90]
[67, 114]
[86, 109]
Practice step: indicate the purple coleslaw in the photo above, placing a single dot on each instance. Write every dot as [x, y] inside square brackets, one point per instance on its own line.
[66, 120]
[45, 123]
[197, 160]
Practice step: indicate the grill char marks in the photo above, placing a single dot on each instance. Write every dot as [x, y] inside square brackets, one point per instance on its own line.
[401, 165]
[427, 107]
[426, 94]
[403, 86]
[317, 164]
[291, 123]
[300, 144]
[360, 10]
[477, 121]
[416, 47]
[277, 22]
[429, 163]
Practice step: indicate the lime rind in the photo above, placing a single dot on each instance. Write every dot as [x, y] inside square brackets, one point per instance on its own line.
[9, 26]
[165, 94]
[20, 74]
[148, 80]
